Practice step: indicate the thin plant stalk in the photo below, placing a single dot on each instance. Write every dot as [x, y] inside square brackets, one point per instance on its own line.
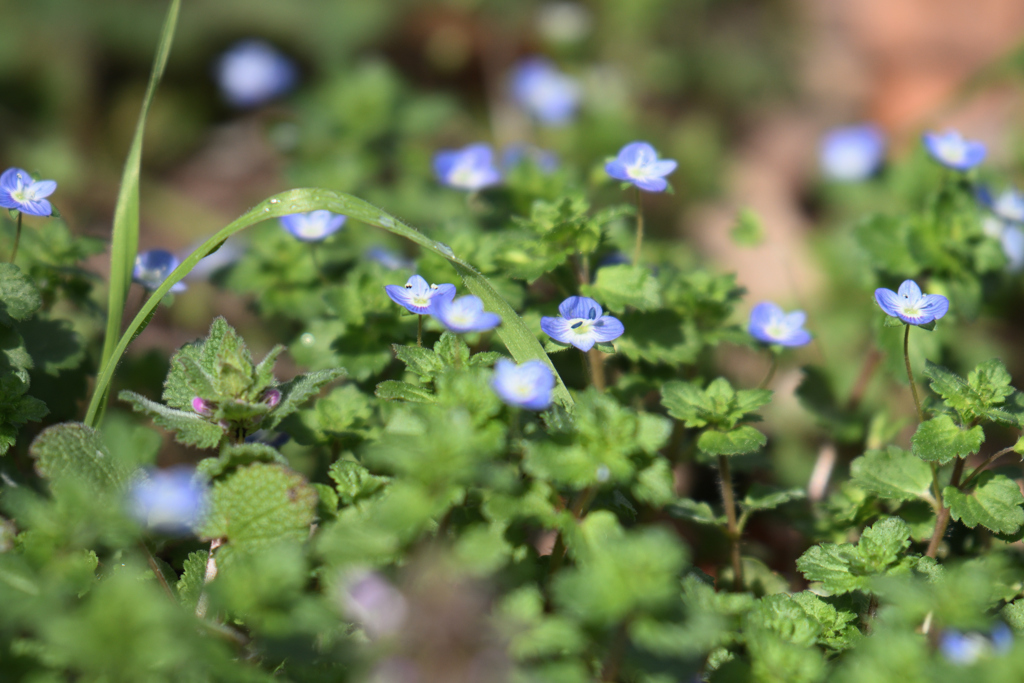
[17, 239]
[639, 227]
[419, 330]
[942, 521]
[733, 529]
[910, 373]
[595, 361]
[771, 371]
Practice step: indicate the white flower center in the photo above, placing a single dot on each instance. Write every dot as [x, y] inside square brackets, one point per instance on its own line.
[422, 300]
[952, 151]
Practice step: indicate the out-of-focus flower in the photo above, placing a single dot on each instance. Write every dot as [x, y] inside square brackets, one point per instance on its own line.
[1012, 239]
[168, 500]
[389, 259]
[952, 151]
[638, 163]
[564, 22]
[418, 297]
[253, 72]
[527, 385]
[967, 648]
[465, 314]
[518, 153]
[582, 323]
[370, 599]
[771, 325]
[152, 268]
[313, 226]
[852, 152]
[910, 305]
[1007, 205]
[19, 191]
[228, 253]
[470, 168]
[544, 92]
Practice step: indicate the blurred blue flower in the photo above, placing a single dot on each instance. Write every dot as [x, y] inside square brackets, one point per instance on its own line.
[152, 268]
[228, 253]
[252, 72]
[952, 151]
[465, 314]
[771, 325]
[370, 599]
[470, 168]
[1012, 239]
[19, 191]
[313, 226]
[910, 305]
[965, 649]
[549, 95]
[168, 500]
[389, 259]
[527, 385]
[419, 297]
[513, 155]
[852, 152]
[582, 323]
[1008, 205]
[638, 163]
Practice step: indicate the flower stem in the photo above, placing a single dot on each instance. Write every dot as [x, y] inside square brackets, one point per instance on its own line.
[639, 228]
[419, 330]
[980, 468]
[595, 360]
[910, 373]
[771, 371]
[942, 521]
[316, 262]
[733, 529]
[17, 239]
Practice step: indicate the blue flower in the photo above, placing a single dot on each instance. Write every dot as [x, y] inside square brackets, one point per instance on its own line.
[227, 254]
[419, 297]
[152, 268]
[170, 500]
[389, 259]
[771, 325]
[513, 155]
[470, 168]
[952, 151]
[582, 323]
[1012, 240]
[545, 92]
[252, 72]
[313, 226]
[1009, 205]
[965, 649]
[910, 305]
[19, 191]
[465, 314]
[528, 385]
[638, 163]
[852, 153]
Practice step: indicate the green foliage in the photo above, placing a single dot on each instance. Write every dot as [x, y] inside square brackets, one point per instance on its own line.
[19, 297]
[983, 395]
[720, 408]
[893, 473]
[994, 502]
[941, 440]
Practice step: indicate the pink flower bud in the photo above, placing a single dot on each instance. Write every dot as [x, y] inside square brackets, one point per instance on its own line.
[200, 406]
[272, 397]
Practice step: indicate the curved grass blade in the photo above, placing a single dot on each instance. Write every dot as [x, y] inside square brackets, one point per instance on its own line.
[513, 331]
[124, 242]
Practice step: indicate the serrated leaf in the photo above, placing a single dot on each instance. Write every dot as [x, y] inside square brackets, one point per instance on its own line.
[299, 390]
[941, 440]
[258, 506]
[451, 350]
[893, 473]
[743, 439]
[393, 390]
[190, 585]
[19, 297]
[654, 484]
[189, 428]
[847, 567]
[423, 362]
[75, 451]
[695, 511]
[761, 497]
[994, 503]
[233, 456]
[354, 482]
[16, 409]
[616, 287]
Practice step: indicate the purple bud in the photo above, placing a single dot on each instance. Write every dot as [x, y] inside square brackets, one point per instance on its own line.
[200, 406]
[272, 397]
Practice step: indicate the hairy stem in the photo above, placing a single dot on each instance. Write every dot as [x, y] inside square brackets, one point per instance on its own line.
[942, 521]
[910, 373]
[17, 239]
[980, 468]
[639, 228]
[771, 372]
[419, 330]
[733, 530]
[595, 360]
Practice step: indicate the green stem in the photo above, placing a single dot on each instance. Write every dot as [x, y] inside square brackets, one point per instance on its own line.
[910, 373]
[733, 530]
[639, 228]
[595, 360]
[156, 570]
[17, 239]
[419, 330]
[980, 468]
[771, 371]
[942, 521]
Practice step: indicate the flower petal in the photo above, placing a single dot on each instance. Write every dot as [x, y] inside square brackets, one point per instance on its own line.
[580, 307]
[909, 292]
[794, 320]
[651, 184]
[37, 207]
[795, 338]
[764, 314]
[616, 169]
[933, 306]
[558, 328]
[9, 178]
[43, 188]
[662, 167]
[607, 329]
[889, 301]
[637, 154]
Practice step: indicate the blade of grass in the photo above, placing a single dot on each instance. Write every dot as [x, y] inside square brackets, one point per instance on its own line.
[513, 331]
[124, 241]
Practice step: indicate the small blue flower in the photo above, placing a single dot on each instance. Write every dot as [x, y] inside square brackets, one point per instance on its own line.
[252, 72]
[465, 314]
[1008, 205]
[528, 385]
[152, 268]
[771, 325]
[965, 649]
[910, 305]
[952, 151]
[545, 92]
[513, 155]
[582, 323]
[389, 259]
[169, 500]
[313, 226]
[638, 163]
[470, 168]
[419, 297]
[852, 153]
[19, 191]
[1012, 240]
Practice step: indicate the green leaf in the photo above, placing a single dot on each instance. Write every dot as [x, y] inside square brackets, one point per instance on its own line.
[695, 511]
[190, 585]
[982, 395]
[513, 332]
[258, 506]
[893, 473]
[718, 405]
[233, 456]
[995, 503]
[748, 231]
[75, 451]
[941, 440]
[393, 390]
[354, 482]
[743, 439]
[189, 428]
[616, 287]
[16, 409]
[847, 567]
[19, 298]
[54, 344]
[124, 242]
[761, 497]
[299, 390]
[654, 485]
[423, 362]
